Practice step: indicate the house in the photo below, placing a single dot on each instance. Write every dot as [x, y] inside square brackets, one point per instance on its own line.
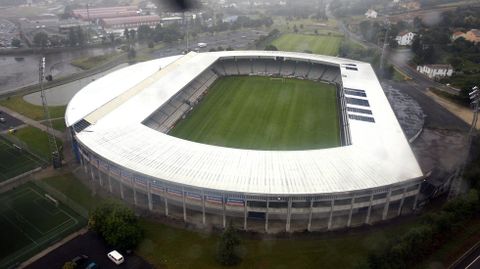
[405, 38]
[436, 71]
[413, 5]
[371, 14]
[473, 36]
[457, 34]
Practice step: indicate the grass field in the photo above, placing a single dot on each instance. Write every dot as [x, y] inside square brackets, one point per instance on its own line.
[261, 113]
[14, 162]
[23, 107]
[86, 63]
[169, 247]
[29, 222]
[57, 124]
[319, 44]
[36, 140]
[74, 190]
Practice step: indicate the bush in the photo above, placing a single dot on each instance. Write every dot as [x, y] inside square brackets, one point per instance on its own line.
[117, 224]
[227, 253]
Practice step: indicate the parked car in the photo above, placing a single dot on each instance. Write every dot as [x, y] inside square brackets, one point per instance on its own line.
[80, 260]
[91, 265]
[116, 257]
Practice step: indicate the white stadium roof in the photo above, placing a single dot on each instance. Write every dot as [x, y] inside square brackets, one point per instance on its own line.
[116, 105]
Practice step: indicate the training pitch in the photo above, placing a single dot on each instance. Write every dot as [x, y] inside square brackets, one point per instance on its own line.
[319, 44]
[29, 222]
[14, 161]
[264, 113]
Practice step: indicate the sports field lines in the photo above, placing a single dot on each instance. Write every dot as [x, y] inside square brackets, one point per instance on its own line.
[14, 161]
[318, 44]
[260, 113]
[30, 222]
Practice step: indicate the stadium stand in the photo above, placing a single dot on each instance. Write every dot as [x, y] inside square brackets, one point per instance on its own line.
[168, 114]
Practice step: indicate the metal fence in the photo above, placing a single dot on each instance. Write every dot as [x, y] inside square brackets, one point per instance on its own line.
[62, 198]
[39, 156]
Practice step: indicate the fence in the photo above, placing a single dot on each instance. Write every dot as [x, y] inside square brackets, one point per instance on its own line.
[62, 198]
[39, 156]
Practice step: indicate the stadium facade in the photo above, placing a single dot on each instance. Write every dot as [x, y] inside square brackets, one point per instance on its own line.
[119, 126]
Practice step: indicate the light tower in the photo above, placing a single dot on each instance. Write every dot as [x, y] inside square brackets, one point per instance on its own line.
[52, 142]
[456, 184]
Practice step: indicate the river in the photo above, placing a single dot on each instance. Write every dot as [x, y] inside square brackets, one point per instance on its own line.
[19, 71]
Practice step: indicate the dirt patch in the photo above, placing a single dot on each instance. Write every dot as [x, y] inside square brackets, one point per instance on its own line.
[462, 112]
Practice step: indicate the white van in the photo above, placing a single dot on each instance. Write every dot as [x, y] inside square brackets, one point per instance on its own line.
[115, 257]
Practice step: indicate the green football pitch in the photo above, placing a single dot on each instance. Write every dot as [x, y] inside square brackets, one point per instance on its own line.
[14, 161]
[29, 222]
[319, 44]
[263, 113]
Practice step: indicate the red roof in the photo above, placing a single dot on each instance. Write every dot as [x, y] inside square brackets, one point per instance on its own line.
[132, 19]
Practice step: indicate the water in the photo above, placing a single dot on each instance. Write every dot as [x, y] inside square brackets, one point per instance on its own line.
[19, 71]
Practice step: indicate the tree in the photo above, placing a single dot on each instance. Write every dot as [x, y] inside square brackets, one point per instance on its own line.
[227, 253]
[271, 47]
[16, 43]
[132, 34]
[81, 36]
[40, 39]
[144, 32]
[111, 37]
[72, 37]
[117, 224]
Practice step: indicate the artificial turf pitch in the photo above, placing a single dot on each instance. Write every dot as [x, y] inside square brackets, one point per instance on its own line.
[29, 222]
[14, 162]
[264, 113]
[326, 45]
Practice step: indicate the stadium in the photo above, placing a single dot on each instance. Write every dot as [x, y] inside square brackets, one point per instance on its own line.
[266, 140]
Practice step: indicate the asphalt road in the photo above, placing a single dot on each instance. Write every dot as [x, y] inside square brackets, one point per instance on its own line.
[92, 246]
[471, 261]
[436, 115]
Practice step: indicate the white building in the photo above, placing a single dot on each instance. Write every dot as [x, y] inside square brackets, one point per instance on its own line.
[121, 138]
[405, 38]
[436, 70]
[371, 14]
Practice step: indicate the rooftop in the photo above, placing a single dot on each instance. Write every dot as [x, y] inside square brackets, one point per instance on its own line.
[116, 104]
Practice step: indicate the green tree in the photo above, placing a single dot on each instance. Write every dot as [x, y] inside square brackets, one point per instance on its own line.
[227, 252]
[16, 43]
[40, 39]
[144, 32]
[72, 37]
[132, 34]
[117, 224]
[111, 36]
[81, 36]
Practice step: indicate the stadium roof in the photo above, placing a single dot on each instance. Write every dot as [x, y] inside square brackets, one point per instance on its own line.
[116, 104]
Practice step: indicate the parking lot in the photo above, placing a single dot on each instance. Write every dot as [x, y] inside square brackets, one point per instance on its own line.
[8, 121]
[91, 245]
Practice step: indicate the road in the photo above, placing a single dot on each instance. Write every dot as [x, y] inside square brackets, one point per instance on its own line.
[470, 260]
